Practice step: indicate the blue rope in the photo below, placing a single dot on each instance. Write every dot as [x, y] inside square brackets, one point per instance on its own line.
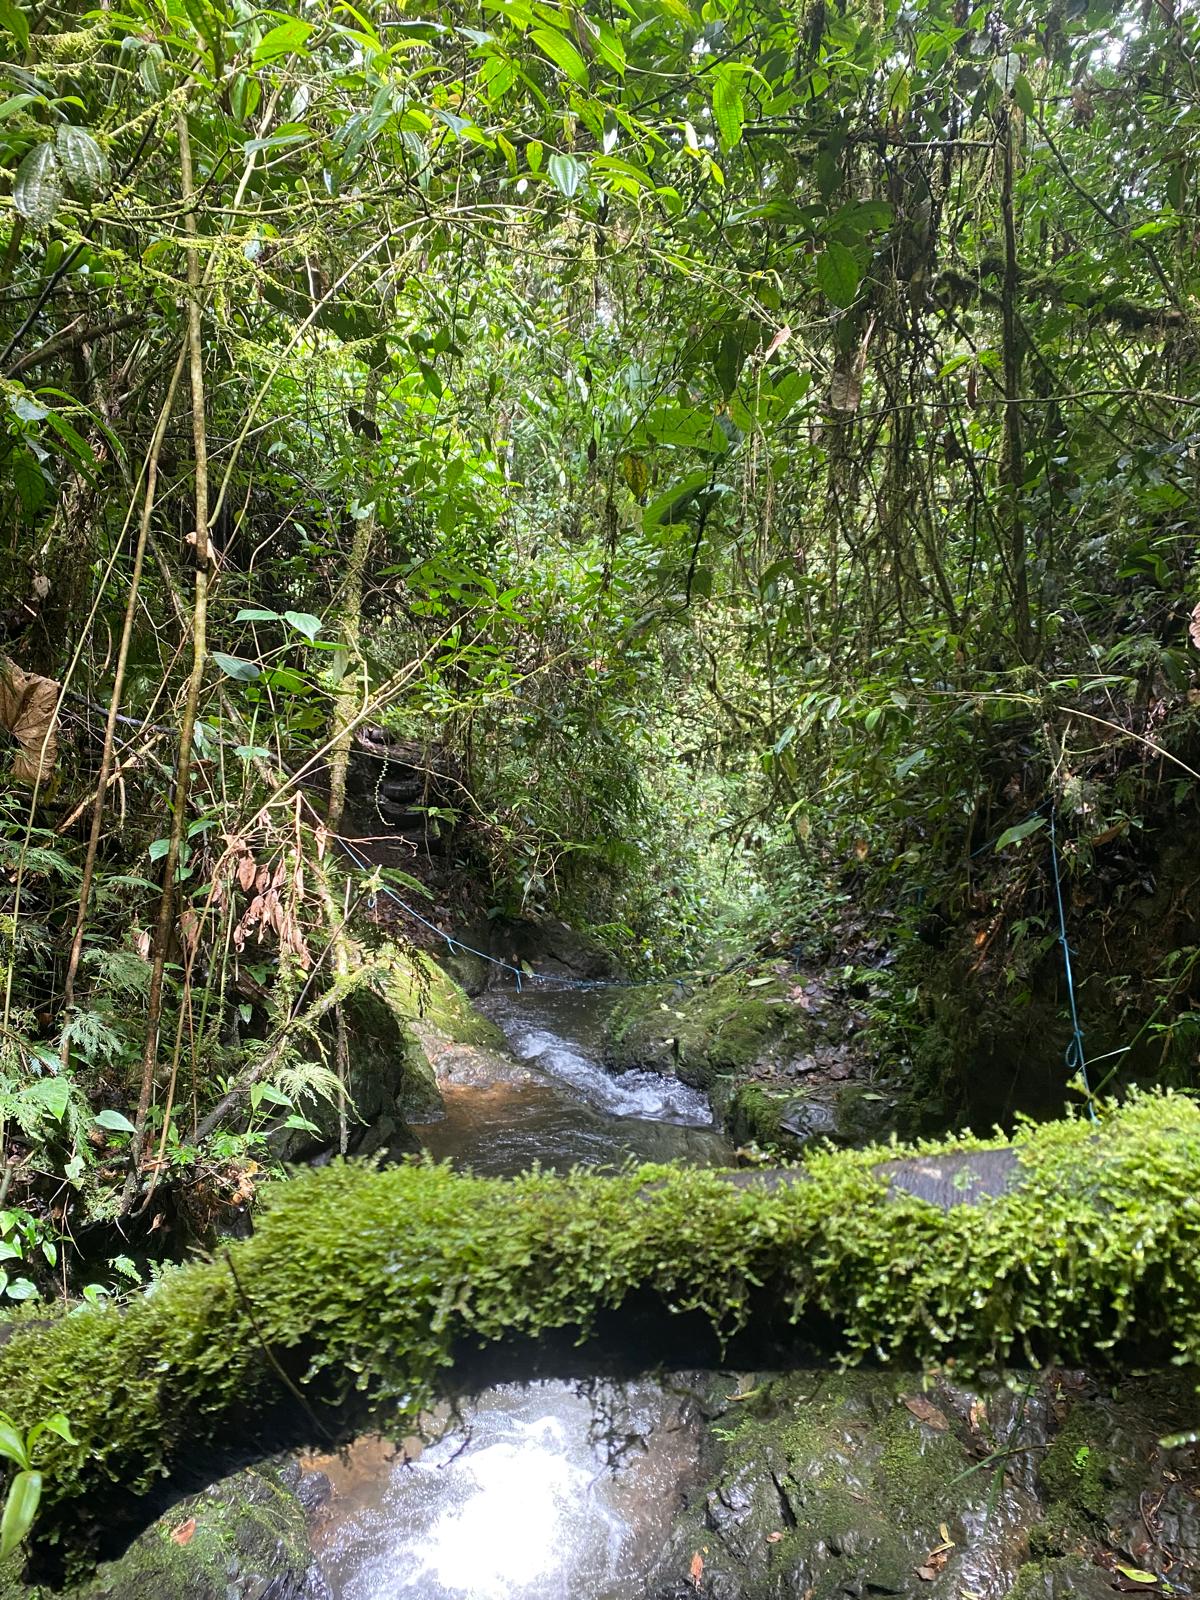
[455, 945]
[1075, 1057]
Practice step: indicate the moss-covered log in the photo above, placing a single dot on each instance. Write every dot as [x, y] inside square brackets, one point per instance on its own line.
[363, 1282]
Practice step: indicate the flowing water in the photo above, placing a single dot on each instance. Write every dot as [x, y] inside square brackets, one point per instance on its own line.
[564, 1110]
[546, 1490]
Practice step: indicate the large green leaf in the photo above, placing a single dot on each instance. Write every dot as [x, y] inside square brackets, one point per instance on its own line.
[729, 108]
[284, 40]
[37, 188]
[838, 274]
[563, 54]
[235, 667]
[666, 506]
[81, 159]
[20, 1508]
[564, 172]
[12, 1441]
[53, 1094]
[304, 622]
[13, 20]
[30, 483]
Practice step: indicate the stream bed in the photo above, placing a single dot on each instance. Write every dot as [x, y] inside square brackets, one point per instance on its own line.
[550, 1489]
[562, 1109]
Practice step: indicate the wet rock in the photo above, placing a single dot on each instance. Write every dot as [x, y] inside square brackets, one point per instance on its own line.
[245, 1538]
[733, 1024]
[544, 946]
[808, 1120]
[1062, 1578]
[751, 1040]
[859, 1484]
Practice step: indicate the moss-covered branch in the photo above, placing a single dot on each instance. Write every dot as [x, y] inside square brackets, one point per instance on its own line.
[364, 1280]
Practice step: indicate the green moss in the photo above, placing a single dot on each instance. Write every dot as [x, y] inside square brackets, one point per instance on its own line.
[421, 992]
[720, 1026]
[369, 1278]
[920, 1470]
[250, 1530]
[1061, 1578]
[842, 1484]
[753, 1114]
[1072, 1475]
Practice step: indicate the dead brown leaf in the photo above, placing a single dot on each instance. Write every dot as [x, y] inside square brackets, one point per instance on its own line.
[937, 1558]
[782, 336]
[29, 710]
[1194, 627]
[925, 1411]
[247, 871]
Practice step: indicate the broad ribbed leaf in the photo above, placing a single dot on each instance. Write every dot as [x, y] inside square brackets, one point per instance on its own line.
[29, 481]
[729, 109]
[81, 159]
[564, 173]
[37, 189]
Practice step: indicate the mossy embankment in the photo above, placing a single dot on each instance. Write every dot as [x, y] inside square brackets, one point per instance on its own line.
[767, 1044]
[362, 1284]
[404, 1018]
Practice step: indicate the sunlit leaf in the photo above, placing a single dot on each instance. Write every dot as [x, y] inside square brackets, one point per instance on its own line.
[283, 40]
[37, 188]
[563, 54]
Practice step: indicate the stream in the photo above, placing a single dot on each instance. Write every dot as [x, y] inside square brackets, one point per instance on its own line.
[870, 1482]
[551, 1489]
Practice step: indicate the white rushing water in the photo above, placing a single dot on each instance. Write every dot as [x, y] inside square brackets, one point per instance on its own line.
[525, 1502]
[523, 1499]
[543, 1027]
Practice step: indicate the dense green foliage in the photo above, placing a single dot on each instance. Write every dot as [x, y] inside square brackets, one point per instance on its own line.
[1092, 1246]
[756, 444]
[743, 459]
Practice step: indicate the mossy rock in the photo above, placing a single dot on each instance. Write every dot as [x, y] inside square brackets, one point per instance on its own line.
[1106, 1462]
[455, 1043]
[1062, 1578]
[399, 1028]
[425, 996]
[243, 1538]
[785, 1122]
[829, 1486]
[727, 1025]
[389, 1084]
